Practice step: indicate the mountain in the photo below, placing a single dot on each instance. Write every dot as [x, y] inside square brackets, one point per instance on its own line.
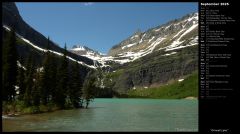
[84, 51]
[30, 40]
[154, 58]
[176, 34]
[89, 53]
[149, 59]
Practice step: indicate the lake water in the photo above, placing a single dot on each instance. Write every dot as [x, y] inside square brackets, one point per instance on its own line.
[114, 115]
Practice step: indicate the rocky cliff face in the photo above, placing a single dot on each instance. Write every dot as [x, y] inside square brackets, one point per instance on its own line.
[155, 69]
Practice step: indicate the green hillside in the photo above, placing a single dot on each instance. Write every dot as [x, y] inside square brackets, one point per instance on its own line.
[176, 90]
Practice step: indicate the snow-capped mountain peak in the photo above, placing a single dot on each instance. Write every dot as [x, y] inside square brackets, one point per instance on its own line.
[84, 50]
[176, 34]
[78, 48]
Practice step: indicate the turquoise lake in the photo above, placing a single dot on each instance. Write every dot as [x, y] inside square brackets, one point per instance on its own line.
[114, 115]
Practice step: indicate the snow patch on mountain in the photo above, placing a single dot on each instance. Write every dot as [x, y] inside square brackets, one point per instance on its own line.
[178, 33]
[155, 43]
[134, 36]
[129, 45]
[131, 56]
[167, 27]
[180, 47]
[189, 30]
[175, 44]
[80, 48]
[157, 29]
[142, 38]
[167, 54]
[151, 39]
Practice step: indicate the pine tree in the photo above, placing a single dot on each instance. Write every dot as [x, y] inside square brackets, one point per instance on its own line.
[9, 67]
[20, 81]
[45, 81]
[36, 89]
[89, 88]
[75, 90]
[63, 80]
[53, 77]
[4, 90]
[29, 81]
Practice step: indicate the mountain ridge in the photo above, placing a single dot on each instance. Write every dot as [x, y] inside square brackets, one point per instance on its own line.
[11, 18]
[175, 34]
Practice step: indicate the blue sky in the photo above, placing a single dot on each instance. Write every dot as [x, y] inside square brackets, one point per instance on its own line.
[98, 25]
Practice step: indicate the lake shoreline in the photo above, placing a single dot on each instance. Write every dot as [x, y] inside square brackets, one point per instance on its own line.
[107, 114]
[17, 114]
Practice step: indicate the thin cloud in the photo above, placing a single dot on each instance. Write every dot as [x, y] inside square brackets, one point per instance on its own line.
[88, 3]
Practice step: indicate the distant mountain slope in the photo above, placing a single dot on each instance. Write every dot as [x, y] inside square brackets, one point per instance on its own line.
[11, 18]
[176, 34]
[153, 58]
[173, 35]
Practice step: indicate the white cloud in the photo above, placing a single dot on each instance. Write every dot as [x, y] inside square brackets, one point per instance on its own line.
[88, 3]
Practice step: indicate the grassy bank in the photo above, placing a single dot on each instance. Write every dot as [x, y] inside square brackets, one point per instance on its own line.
[18, 108]
[176, 90]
